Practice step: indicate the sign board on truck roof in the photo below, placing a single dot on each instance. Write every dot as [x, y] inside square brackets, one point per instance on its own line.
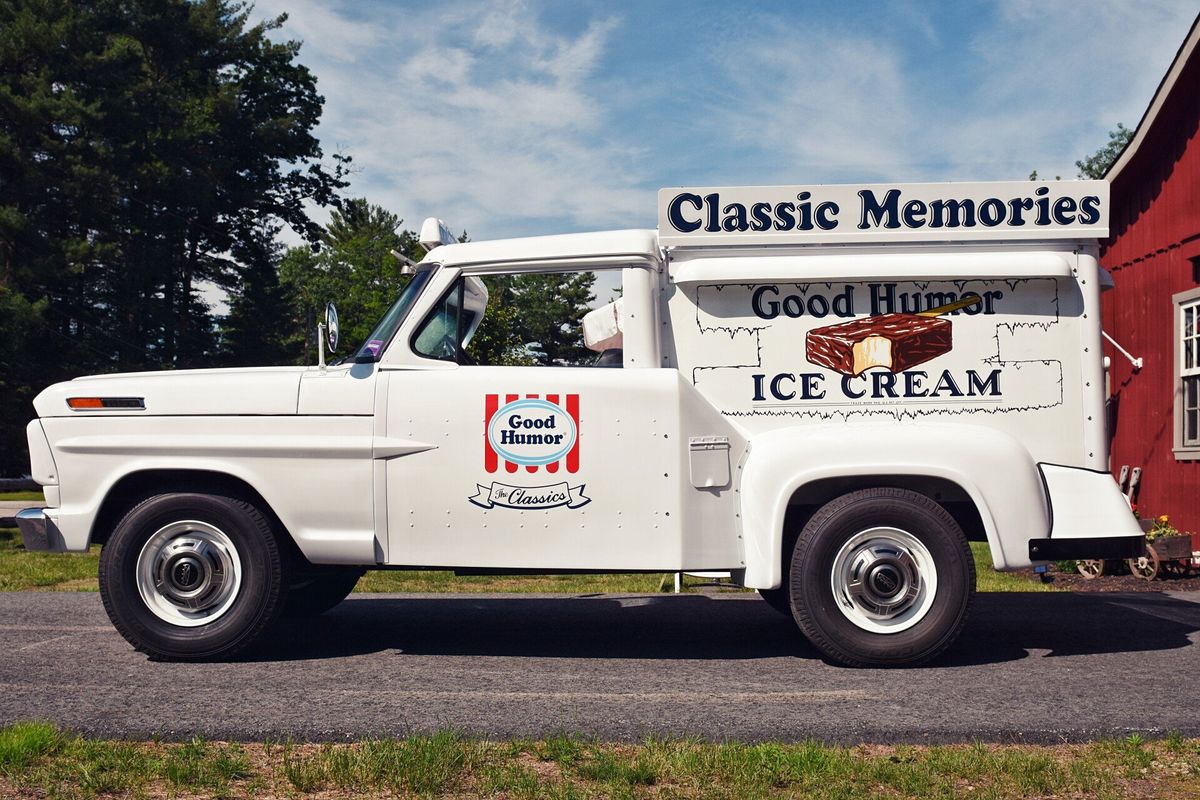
[914, 212]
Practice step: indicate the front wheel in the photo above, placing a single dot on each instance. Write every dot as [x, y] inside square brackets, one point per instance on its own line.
[319, 590]
[189, 576]
[881, 577]
[778, 599]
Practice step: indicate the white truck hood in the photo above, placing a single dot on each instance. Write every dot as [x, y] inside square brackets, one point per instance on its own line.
[265, 390]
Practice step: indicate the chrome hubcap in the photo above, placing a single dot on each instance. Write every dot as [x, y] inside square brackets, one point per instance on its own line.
[884, 580]
[189, 573]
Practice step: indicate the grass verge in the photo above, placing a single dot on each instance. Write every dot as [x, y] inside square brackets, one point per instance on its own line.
[35, 496]
[38, 759]
[21, 570]
[988, 579]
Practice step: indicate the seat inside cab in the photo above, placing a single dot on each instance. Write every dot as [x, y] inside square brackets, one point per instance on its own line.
[602, 333]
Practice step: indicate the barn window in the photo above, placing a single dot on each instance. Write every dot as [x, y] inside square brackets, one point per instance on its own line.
[1187, 359]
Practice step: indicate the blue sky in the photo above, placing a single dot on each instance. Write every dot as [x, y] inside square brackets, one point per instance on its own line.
[517, 117]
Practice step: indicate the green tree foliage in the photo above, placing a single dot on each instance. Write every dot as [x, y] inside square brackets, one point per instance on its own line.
[499, 340]
[535, 320]
[145, 149]
[354, 267]
[552, 308]
[1096, 165]
[257, 329]
[530, 319]
[25, 347]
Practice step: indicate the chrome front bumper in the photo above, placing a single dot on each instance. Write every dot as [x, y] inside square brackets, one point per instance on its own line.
[39, 532]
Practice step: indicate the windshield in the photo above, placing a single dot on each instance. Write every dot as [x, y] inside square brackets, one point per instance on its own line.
[386, 329]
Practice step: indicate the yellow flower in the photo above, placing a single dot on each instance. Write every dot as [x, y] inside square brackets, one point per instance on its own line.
[1162, 520]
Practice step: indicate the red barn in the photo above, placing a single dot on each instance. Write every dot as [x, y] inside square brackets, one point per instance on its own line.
[1154, 312]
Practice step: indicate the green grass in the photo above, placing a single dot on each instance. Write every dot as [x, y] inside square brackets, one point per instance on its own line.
[988, 579]
[37, 757]
[36, 497]
[39, 760]
[21, 570]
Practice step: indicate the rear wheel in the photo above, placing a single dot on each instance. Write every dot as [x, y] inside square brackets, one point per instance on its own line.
[881, 577]
[190, 576]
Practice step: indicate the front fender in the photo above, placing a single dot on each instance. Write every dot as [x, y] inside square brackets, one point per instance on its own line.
[314, 472]
[994, 470]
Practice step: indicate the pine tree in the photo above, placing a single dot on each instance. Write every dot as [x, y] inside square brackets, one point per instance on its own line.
[141, 144]
[256, 329]
[550, 311]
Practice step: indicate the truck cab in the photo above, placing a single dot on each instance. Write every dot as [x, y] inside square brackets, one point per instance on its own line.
[826, 391]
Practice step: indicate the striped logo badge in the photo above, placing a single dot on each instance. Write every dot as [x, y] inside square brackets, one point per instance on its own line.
[531, 431]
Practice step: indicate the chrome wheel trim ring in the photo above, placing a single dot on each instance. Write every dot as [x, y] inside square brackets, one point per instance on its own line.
[884, 580]
[189, 573]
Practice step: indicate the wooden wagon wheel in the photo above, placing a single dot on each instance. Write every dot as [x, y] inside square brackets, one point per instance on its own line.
[1146, 566]
[1091, 568]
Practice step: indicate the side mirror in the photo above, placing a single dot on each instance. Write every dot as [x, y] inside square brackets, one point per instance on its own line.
[327, 333]
[331, 326]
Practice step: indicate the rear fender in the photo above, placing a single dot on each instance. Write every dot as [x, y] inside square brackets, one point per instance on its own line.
[992, 469]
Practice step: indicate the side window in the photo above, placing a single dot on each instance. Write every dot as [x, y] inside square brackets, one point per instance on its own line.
[438, 336]
[1187, 359]
[561, 319]
[452, 324]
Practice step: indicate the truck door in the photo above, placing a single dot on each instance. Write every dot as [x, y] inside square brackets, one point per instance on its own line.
[554, 462]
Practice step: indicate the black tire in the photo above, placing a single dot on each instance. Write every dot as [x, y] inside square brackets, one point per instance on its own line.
[247, 610]
[318, 590]
[778, 600]
[854, 521]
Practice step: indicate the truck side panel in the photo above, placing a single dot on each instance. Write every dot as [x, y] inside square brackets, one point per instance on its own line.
[1007, 352]
[619, 498]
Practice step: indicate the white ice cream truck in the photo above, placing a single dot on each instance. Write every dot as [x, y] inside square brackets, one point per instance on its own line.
[825, 390]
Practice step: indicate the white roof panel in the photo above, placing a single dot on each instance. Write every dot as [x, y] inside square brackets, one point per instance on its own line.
[636, 245]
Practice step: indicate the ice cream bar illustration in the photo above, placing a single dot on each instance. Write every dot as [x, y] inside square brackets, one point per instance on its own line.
[892, 341]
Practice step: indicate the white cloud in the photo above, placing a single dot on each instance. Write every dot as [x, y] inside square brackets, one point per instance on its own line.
[499, 121]
[1038, 88]
[837, 109]
[323, 29]
[480, 114]
[1059, 76]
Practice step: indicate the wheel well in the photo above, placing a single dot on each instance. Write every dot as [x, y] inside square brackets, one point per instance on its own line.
[805, 501]
[137, 486]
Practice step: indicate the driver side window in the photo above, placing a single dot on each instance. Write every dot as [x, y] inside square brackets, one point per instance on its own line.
[450, 326]
[567, 319]
[438, 336]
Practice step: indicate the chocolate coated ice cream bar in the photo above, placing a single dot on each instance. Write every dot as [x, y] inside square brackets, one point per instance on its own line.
[893, 341]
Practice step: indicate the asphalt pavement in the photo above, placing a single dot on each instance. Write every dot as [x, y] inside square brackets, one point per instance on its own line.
[1029, 667]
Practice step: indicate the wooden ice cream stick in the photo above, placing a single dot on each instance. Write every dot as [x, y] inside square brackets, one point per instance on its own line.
[937, 311]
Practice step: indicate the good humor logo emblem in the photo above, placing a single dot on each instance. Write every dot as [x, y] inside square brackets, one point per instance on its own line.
[530, 434]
